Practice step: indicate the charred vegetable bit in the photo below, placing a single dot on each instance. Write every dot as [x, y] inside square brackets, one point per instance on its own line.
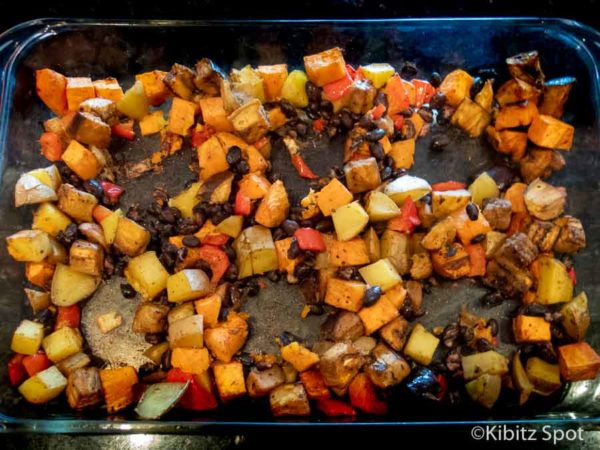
[365, 244]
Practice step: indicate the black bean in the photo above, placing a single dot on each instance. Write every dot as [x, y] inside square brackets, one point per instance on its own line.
[234, 155]
[439, 142]
[386, 173]
[154, 338]
[450, 335]
[273, 276]
[230, 252]
[377, 150]
[301, 129]
[493, 324]
[324, 225]
[407, 311]
[408, 70]
[472, 211]
[426, 115]
[242, 167]
[253, 288]
[168, 215]
[191, 241]
[317, 309]
[313, 106]
[375, 135]
[534, 309]
[290, 226]
[302, 271]
[476, 86]
[557, 332]
[127, 290]
[435, 79]
[287, 109]
[483, 345]
[326, 107]
[381, 99]
[279, 234]
[346, 119]
[438, 101]
[232, 273]
[293, 250]
[182, 253]
[450, 251]
[466, 333]
[287, 338]
[492, 299]
[67, 236]
[502, 175]
[366, 122]
[94, 187]
[477, 239]
[372, 294]
[154, 209]
[312, 91]
[408, 129]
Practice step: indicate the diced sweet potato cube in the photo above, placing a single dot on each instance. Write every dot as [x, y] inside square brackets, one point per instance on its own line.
[396, 295]
[109, 89]
[325, 67]
[395, 333]
[508, 142]
[39, 273]
[332, 196]
[273, 78]
[117, 385]
[516, 90]
[190, 360]
[578, 362]
[466, 228]
[403, 153]
[212, 158]
[81, 161]
[230, 380]
[214, 115]
[513, 116]
[348, 253]
[209, 308]
[314, 384]
[51, 87]
[531, 329]
[152, 123]
[284, 263]
[471, 117]
[78, 90]
[456, 86]
[345, 294]
[181, 116]
[546, 131]
[299, 356]
[451, 261]
[154, 87]
[378, 315]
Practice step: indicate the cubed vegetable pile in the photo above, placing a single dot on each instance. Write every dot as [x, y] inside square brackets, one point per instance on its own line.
[364, 244]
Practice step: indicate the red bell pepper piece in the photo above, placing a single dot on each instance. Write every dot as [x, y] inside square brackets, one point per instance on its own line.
[448, 186]
[363, 396]
[36, 363]
[408, 218]
[197, 397]
[477, 260]
[217, 260]
[314, 384]
[443, 386]
[318, 124]
[112, 191]
[310, 239]
[335, 408]
[398, 120]
[302, 168]
[68, 316]
[378, 111]
[353, 73]
[201, 136]
[124, 130]
[243, 204]
[52, 147]
[16, 371]
[572, 275]
[216, 239]
[423, 92]
[338, 88]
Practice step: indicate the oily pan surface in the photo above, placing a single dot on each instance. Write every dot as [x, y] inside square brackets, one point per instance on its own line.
[121, 53]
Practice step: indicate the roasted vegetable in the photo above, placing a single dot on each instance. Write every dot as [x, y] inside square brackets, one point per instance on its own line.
[187, 332]
[342, 326]
[255, 251]
[117, 385]
[44, 386]
[395, 333]
[395, 246]
[531, 329]
[187, 284]
[578, 362]
[62, 343]
[485, 389]
[421, 345]
[456, 86]
[362, 175]
[471, 117]
[444, 203]
[555, 95]
[260, 382]
[349, 220]
[387, 368]
[575, 317]
[84, 389]
[339, 364]
[230, 380]
[27, 338]
[29, 245]
[274, 207]
[70, 286]
[226, 338]
[554, 283]
[490, 362]
[375, 316]
[334, 195]
[159, 398]
[545, 201]
[572, 236]
[451, 261]
[299, 356]
[75, 203]
[289, 400]
[190, 360]
[544, 376]
[345, 294]
[407, 186]
[78, 89]
[548, 132]
[147, 275]
[87, 258]
[150, 318]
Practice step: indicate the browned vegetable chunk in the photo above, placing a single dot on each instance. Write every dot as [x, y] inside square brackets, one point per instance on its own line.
[572, 235]
[208, 77]
[543, 234]
[86, 257]
[498, 212]
[103, 108]
[545, 201]
[387, 368]
[526, 66]
[89, 129]
[250, 120]
[274, 207]
[549, 132]
[362, 175]
[513, 116]
[540, 163]
[289, 400]
[395, 333]
[556, 94]
[340, 363]
[451, 261]
[227, 338]
[84, 388]
[414, 292]
[508, 142]
[150, 318]
[516, 252]
[342, 326]
[441, 234]
[515, 90]
[260, 382]
[75, 203]
[421, 266]
[180, 80]
[578, 362]
[471, 117]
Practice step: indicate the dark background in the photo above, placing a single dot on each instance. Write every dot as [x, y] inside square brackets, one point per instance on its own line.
[585, 11]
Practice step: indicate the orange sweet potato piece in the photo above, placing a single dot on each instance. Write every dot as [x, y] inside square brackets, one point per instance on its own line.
[78, 90]
[515, 194]
[513, 116]
[117, 385]
[578, 362]
[109, 89]
[81, 161]
[531, 329]
[39, 273]
[154, 86]
[548, 132]
[51, 88]
[466, 228]
[214, 114]
[273, 78]
[181, 116]
[325, 67]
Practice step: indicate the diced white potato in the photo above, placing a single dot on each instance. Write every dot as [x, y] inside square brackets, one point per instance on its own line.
[188, 284]
[407, 186]
[349, 220]
[44, 386]
[70, 287]
[27, 338]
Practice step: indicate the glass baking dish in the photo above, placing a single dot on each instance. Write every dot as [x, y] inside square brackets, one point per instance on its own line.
[121, 49]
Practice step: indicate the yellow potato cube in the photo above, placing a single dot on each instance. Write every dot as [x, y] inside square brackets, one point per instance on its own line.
[377, 73]
[43, 386]
[187, 284]
[50, 219]
[187, 332]
[130, 237]
[381, 273]
[147, 275]
[421, 345]
[152, 123]
[349, 220]
[63, 343]
[294, 89]
[27, 338]
[29, 245]
[212, 158]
